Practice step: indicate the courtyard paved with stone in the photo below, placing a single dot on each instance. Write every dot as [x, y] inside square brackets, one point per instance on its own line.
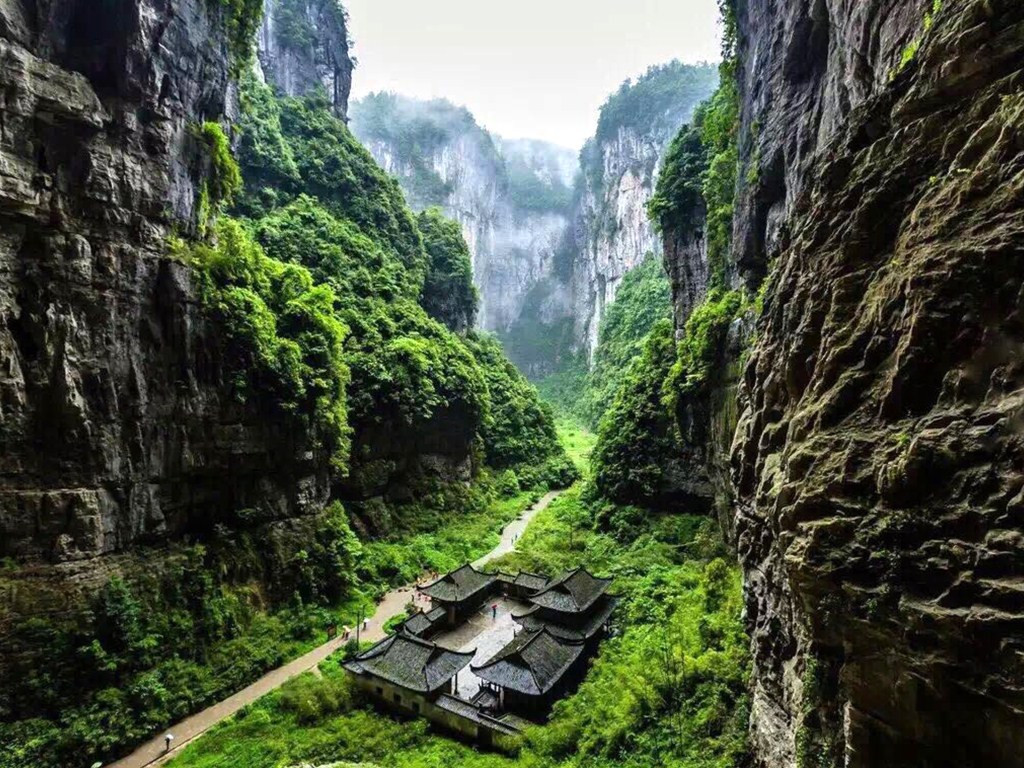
[484, 633]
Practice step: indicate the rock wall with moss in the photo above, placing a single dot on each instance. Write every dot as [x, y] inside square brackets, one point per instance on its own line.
[878, 459]
[215, 320]
[121, 436]
[117, 424]
[850, 364]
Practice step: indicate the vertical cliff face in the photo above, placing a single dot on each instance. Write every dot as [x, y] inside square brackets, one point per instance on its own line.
[303, 45]
[511, 197]
[612, 232]
[111, 418]
[551, 235]
[878, 458]
[116, 427]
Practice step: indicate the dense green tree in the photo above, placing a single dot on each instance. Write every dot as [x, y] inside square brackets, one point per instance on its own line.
[678, 200]
[637, 436]
[519, 428]
[448, 291]
[647, 102]
[282, 339]
[643, 298]
[342, 175]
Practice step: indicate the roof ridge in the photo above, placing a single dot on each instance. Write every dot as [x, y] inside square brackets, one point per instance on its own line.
[418, 640]
[505, 654]
[377, 648]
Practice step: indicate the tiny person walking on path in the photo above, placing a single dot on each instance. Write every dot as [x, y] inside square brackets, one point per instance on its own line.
[494, 611]
[366, 623]
[167, 742]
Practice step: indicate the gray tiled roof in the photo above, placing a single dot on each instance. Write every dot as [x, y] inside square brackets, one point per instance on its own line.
[410, 662]
[572, 592]
[422, 622]
[532, 663]
[523, 579]
[530, 581]
[417, 624]
[458, 585]
[436, 614]
[600, 613]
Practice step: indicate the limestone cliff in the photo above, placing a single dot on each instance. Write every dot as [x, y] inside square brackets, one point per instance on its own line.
[878, 458]
[304, 45]
[612, 233]
[113, 428]
[551, 235]
[511, 197]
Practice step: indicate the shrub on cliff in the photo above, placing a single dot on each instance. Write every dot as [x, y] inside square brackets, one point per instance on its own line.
[643, 298]
[448, 291]
[283, 341]
[396, 279]
[701, 348]
[336, 170]
[699, 173]
[266, 159]
[241, 20]
[678, 198]
[649, 101]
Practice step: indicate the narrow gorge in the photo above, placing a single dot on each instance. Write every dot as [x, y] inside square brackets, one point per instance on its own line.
[552, 233]
[751, 357]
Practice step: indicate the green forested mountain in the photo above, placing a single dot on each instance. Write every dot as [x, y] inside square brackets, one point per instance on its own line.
[402, 287]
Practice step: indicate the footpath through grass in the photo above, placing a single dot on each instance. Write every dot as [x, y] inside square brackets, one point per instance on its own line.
[668, 689]
[161, 674]
[439, 541]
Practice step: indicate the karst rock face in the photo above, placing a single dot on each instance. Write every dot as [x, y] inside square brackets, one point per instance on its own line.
[303, 45]
[879, 459]
[611, 230]
[117, 428]
[456, 165]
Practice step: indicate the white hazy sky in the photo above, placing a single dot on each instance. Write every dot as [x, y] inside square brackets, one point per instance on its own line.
[530, 68]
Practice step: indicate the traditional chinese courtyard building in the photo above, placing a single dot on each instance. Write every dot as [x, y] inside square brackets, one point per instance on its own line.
[533, 671]
[406, 672]
[575, 606]
[416, 677]
[460, 592]
[542, 650]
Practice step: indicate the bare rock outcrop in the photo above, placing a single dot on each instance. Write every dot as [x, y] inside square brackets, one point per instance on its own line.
[116, 426]
[303, 45]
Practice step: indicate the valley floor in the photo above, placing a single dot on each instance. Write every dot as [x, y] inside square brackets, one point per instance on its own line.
[392, 604]
[668, 689]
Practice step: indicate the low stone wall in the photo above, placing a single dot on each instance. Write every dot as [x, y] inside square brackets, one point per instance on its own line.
[456, 716]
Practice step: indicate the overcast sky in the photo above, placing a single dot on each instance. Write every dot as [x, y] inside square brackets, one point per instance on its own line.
[529, 68]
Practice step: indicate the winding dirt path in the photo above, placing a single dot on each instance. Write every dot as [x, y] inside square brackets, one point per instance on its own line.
[153, 752]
